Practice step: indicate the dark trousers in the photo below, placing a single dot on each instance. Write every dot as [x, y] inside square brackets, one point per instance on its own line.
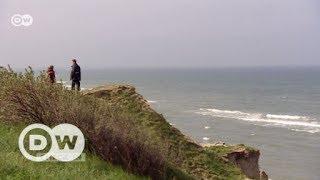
[75, 83]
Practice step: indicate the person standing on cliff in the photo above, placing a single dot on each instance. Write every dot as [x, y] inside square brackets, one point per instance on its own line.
[51, 74]
[75, 75]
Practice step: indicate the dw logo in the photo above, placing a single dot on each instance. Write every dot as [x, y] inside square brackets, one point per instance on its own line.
[21, 20]
[38, 142]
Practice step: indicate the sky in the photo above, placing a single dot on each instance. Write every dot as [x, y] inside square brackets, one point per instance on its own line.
[162, 33]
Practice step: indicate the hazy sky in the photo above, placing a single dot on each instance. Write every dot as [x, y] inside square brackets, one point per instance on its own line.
[162, 33]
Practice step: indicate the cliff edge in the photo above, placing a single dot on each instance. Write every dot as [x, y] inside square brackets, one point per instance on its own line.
[209, 162]
[122, 129]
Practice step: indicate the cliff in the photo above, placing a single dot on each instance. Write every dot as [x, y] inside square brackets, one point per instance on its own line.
[121, 128]
[214, 162]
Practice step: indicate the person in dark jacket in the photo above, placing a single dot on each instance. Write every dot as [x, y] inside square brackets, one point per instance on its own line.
[75, 75]
[51, 74]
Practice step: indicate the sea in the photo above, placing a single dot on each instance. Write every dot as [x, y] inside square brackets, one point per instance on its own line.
[274, 109]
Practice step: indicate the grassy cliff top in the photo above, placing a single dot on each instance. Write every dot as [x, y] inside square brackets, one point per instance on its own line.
[181, 151]
[120, 127]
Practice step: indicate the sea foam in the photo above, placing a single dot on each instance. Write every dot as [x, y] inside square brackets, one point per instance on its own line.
[293, 122]
[151, 101]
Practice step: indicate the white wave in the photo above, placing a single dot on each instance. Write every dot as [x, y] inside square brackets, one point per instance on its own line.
[309, 131]
[69, 87]
[227, 113]
[273, 116]
[62, 82]
[151, 102]
[283, 122]
[205, 138]
[302, 123]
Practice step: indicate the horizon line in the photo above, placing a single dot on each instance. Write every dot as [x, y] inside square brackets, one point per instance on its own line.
[175, 67]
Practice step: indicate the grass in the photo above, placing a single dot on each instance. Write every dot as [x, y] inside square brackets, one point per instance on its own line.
[25, 97]
[223, 150]
[14, 166]
[119, 125]
[181, 152]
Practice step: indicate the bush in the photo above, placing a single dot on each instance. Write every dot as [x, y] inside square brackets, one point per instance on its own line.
[25, 97]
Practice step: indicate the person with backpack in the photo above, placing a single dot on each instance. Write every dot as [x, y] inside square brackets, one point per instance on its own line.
[75, 75]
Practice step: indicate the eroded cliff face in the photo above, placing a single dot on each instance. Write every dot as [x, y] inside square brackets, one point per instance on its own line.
[247, 161]
[214, 162]
[245, 158]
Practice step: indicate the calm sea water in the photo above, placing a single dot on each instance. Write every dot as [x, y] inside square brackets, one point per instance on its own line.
[276, 110]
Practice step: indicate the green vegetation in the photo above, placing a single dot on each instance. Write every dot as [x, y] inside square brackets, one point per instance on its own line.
[180, 151]
[119, 125]
[222, 150]
[115, 137]
[14, 166]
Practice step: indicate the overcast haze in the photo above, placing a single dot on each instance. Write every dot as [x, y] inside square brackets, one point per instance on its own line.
[162, 33]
